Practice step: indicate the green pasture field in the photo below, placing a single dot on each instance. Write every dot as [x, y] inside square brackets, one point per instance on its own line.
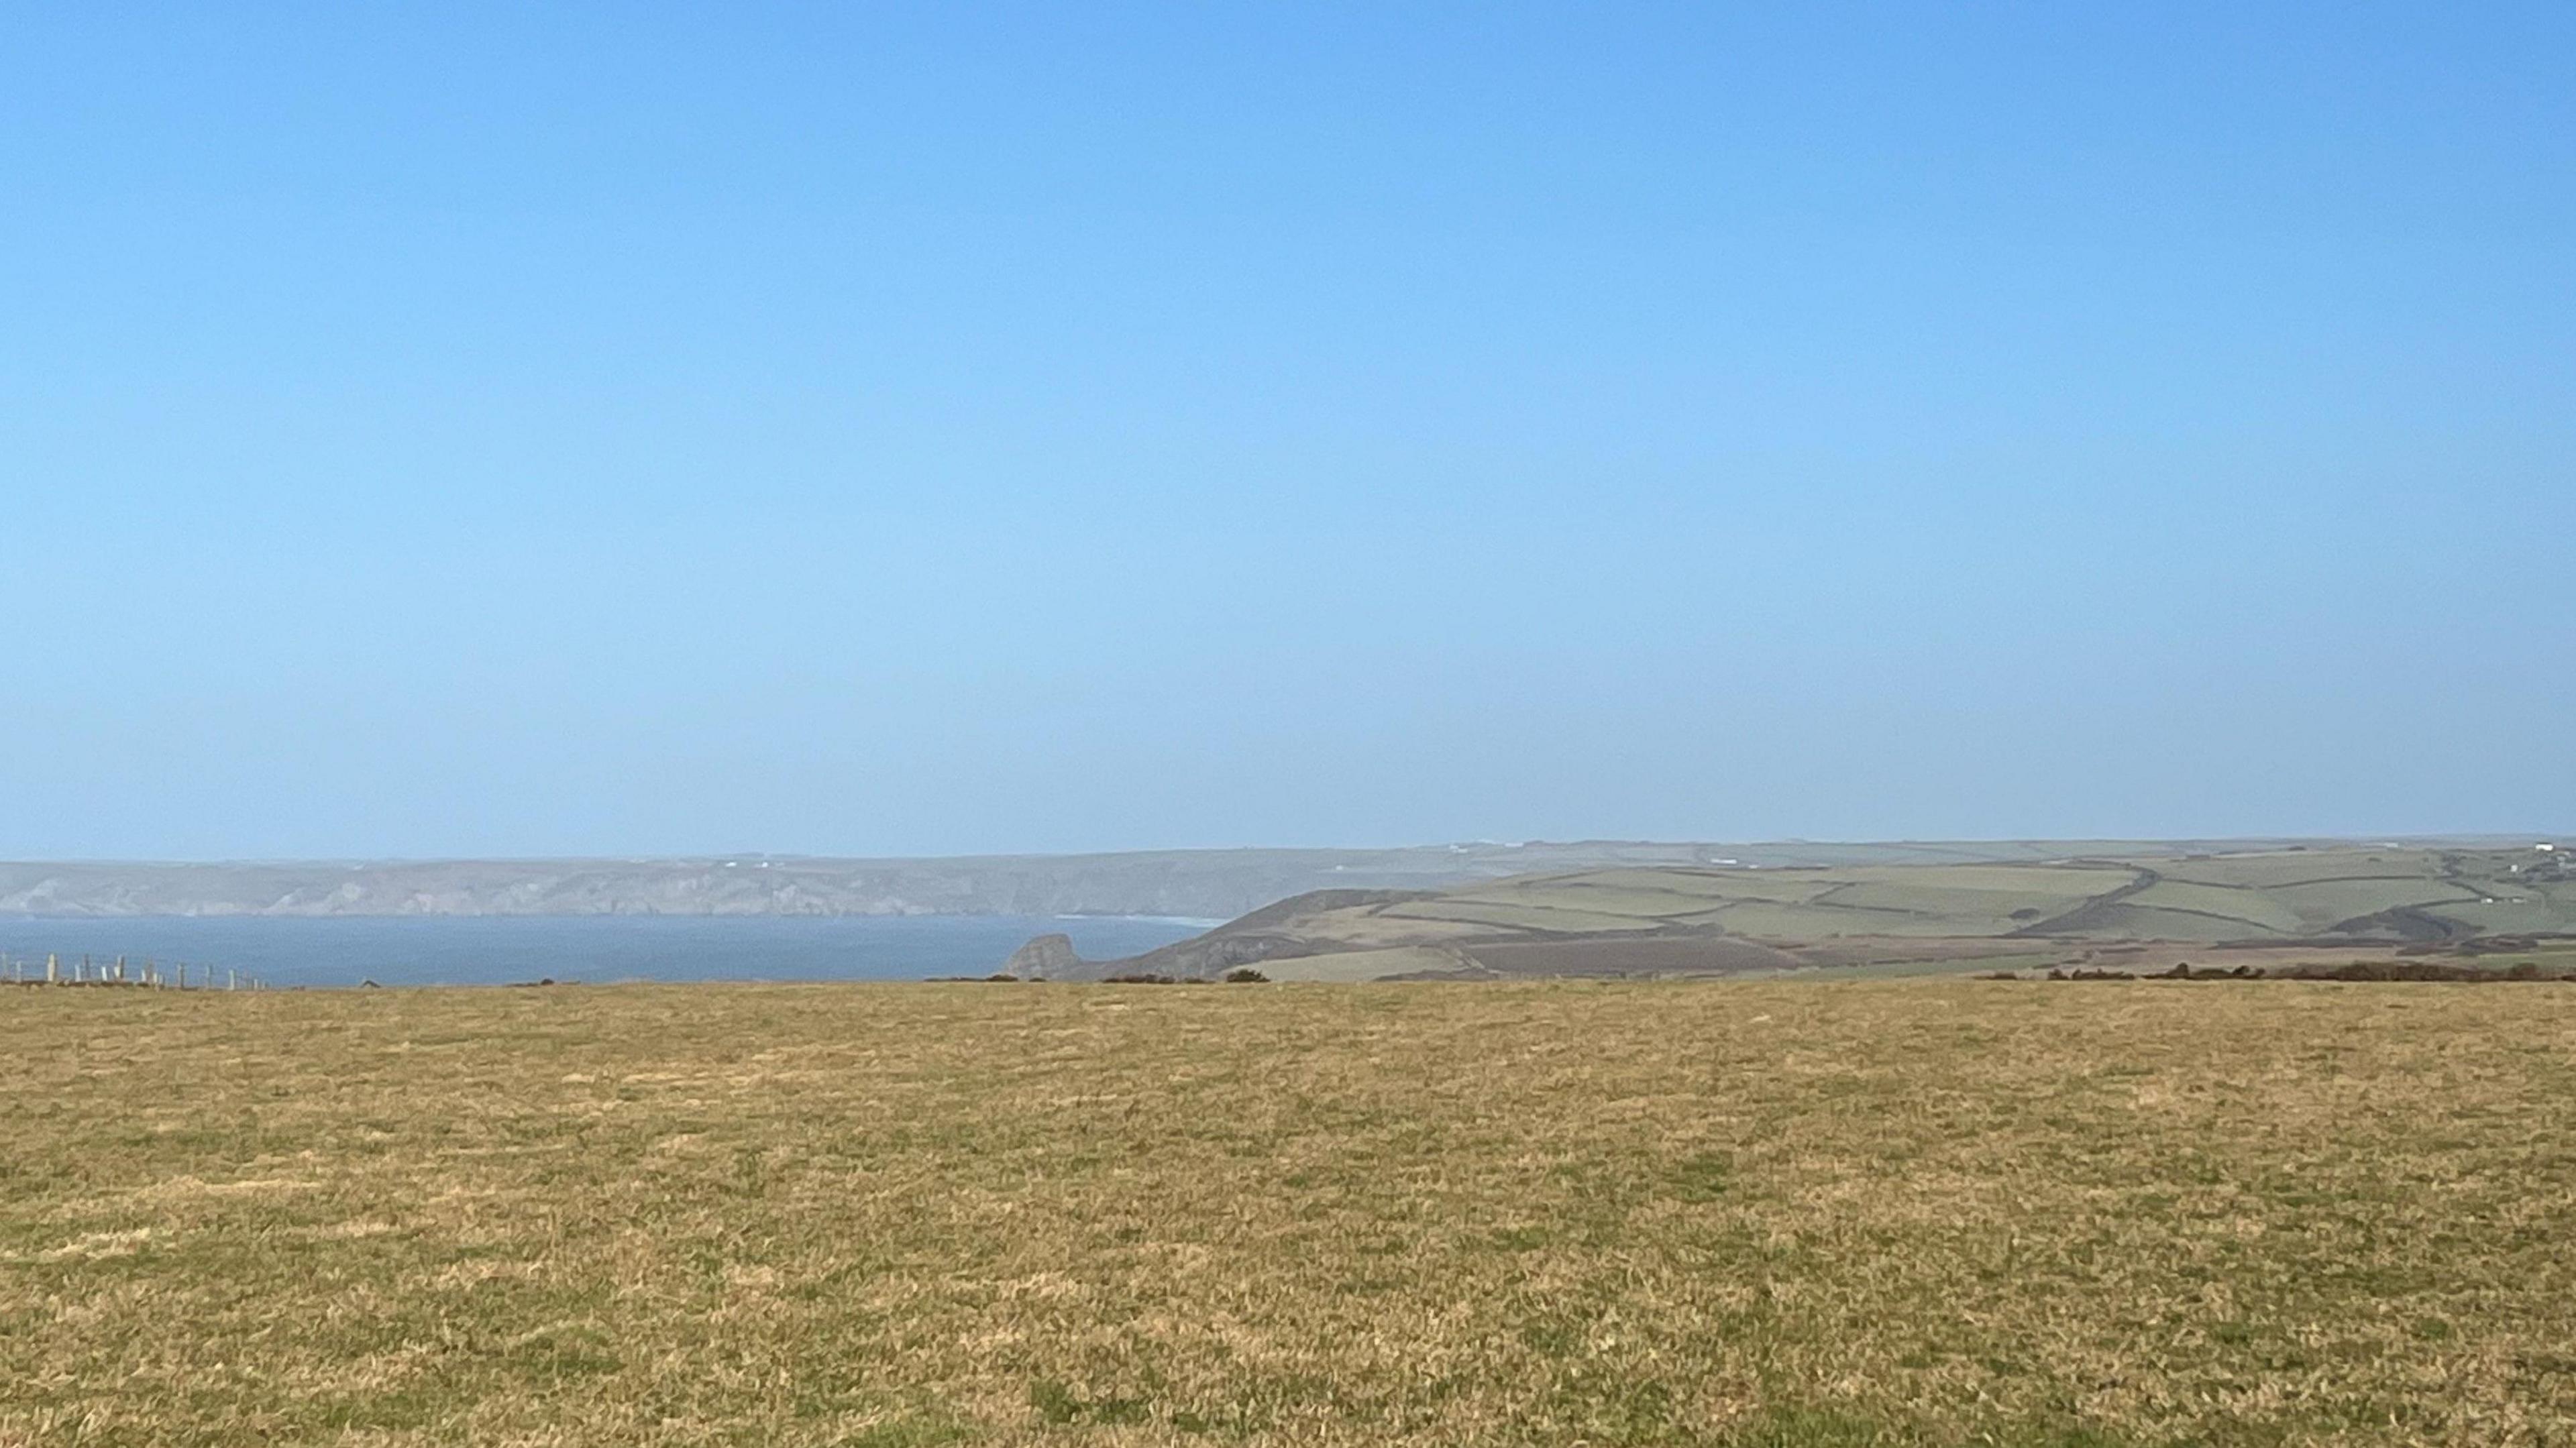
[1557, 913]
[2284, 895]
[1746, 1215]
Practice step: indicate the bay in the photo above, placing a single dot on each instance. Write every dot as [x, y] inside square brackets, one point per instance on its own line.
[341, 951]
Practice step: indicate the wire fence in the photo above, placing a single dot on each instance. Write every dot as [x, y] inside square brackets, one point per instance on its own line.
[141, 973]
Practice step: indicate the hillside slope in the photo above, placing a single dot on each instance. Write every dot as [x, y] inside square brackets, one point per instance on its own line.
[1664, 920]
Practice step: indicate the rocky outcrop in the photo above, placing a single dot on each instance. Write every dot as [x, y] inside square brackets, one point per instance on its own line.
[1049, 957]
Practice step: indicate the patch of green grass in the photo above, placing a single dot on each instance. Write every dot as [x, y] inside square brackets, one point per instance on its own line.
[906, 1433]
[1702, 1178]
[1806, 1428]
[1059, 1405]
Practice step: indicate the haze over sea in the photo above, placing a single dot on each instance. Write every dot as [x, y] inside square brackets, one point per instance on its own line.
[500, 950]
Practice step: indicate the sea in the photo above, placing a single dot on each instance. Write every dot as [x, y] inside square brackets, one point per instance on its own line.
[346, 951]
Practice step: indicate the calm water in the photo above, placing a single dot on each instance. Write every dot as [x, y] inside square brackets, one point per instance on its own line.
[496, 950]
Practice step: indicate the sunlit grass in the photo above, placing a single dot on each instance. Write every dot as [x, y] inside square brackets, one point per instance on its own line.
[1748, 1214]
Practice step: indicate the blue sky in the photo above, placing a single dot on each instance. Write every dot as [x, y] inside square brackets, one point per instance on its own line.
[630, 429]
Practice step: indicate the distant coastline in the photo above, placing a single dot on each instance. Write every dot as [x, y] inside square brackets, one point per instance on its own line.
[1188, 886]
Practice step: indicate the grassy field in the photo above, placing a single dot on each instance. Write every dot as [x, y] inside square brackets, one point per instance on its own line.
[1764, 1215]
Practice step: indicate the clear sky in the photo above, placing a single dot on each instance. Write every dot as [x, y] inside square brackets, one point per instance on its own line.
[525, 429]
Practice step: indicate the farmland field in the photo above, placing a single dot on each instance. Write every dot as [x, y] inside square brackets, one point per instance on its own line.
[2339, 906]
[1765, 1214]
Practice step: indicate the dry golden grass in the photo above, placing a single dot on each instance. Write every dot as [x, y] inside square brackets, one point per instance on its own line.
[1556, 1213]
